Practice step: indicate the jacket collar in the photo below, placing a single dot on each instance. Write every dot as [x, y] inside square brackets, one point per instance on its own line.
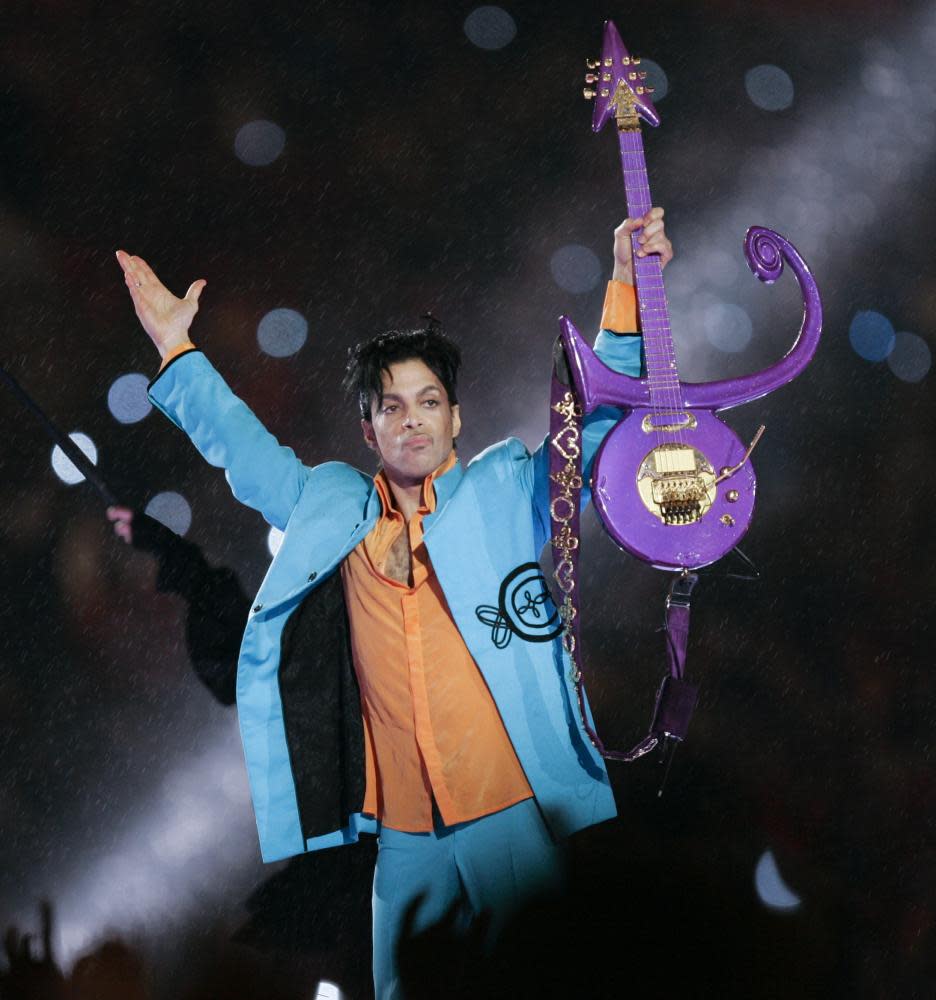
[445, 484]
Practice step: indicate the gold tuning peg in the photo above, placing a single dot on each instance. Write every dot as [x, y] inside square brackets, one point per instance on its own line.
[593, 63]
[588, 93]
[591, 77]
[635, 60]
[642, 75]
[649, 90]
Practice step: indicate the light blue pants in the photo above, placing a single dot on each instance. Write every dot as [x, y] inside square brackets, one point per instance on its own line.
[491, 866]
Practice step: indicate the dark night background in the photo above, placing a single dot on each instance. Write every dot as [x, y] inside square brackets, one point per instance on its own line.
[422, 171]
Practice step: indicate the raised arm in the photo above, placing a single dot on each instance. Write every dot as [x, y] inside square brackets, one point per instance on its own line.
[261, 473]
[618, 344]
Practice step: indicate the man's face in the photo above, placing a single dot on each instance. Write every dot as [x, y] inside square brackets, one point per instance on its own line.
[413, 427]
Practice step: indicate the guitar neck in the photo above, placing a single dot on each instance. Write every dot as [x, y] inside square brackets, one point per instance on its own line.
[662, 375]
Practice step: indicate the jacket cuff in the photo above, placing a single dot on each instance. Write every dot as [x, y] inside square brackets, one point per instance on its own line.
[170, 359]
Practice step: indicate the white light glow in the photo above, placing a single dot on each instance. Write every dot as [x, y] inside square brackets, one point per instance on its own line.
[127, 399]
[274, 540]
[172, 510]
[327, 991]
[63, 466]
[191, 845]
[782, 184]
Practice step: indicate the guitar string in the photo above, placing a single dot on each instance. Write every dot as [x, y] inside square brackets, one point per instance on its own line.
[664, 378]
[644, 280]
[669, 378]
[631, 163]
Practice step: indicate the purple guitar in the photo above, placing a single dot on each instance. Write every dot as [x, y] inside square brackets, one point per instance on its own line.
[671, 482]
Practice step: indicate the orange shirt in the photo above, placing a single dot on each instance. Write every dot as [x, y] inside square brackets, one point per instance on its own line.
[431, 727]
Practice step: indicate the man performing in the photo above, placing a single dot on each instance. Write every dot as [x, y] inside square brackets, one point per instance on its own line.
[374, 693]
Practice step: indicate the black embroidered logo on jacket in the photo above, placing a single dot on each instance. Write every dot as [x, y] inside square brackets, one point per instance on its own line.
[524, 608]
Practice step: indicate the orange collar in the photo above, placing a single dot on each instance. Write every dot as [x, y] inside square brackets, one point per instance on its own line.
[428, 490]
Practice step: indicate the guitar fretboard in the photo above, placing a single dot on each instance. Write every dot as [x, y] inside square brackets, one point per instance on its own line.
[662, 375]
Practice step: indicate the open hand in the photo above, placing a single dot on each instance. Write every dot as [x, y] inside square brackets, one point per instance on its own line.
[164, 317]
[652, 240]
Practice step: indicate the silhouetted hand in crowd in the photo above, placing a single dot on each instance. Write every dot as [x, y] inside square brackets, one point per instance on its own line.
[113, 971]
[29, 976]
[122, 519]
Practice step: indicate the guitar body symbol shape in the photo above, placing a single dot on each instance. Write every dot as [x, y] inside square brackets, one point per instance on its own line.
[672, 483]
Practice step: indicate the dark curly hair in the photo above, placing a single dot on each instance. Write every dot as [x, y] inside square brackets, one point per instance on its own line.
[369, 360]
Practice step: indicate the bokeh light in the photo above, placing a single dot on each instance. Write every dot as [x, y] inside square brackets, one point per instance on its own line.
[871, 335]
[282, 332]
[910, 360]
[769, 87]
[490, 27]
[274, 540]
[63, 466]
[327, 991]
[772, 891]
[656, 78]
[259, 143]
[172, 510]
[727, 327]
[575, 268]
[127, 399]
[723, 268]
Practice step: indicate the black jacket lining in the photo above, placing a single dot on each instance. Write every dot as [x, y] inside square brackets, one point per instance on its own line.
[322, 710]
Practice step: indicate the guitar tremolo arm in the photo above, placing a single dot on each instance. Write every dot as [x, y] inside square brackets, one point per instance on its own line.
[727, 471]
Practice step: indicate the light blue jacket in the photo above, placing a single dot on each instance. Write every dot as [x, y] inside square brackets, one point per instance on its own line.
[490, 524]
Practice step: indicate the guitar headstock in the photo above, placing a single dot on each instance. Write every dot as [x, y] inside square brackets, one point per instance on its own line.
[616, 83]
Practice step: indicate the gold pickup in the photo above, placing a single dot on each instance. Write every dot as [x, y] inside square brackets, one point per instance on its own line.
[676, 483]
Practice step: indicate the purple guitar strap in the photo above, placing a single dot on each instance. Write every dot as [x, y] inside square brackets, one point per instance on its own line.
[676, 696]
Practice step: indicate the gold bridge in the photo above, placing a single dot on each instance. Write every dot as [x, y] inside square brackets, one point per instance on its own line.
[686, 421]
[676, 483]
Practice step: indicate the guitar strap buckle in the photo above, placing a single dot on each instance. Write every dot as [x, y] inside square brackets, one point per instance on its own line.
[681, 589]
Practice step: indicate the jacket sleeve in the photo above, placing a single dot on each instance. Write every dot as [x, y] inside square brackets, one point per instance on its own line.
[261, 472]
[620, 348]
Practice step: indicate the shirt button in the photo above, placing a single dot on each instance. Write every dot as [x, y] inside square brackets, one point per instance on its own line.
[258, 607]
[312, 576]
